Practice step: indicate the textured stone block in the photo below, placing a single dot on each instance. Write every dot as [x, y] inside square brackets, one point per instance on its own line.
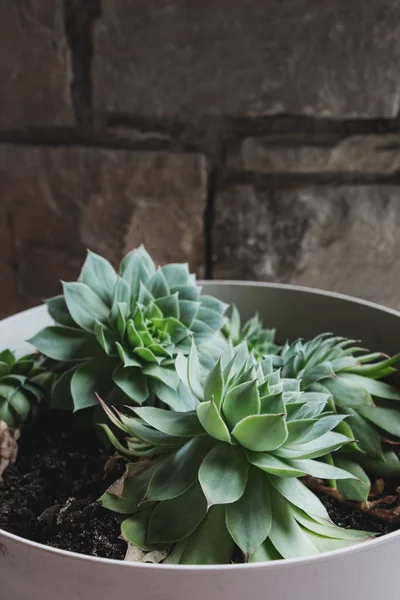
[363, 154]
[248, 58]
[56, 202]
[340, 239]
[34, 64]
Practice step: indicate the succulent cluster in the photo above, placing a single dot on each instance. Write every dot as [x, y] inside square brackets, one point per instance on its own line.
[225, 476]
[220, 424]
[351, 376]
[24, 386]
[261, 341]
[119, 333]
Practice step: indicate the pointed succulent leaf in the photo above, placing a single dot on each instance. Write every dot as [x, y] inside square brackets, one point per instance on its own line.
[387, 419]
[346, 394]
[134, 529]
[272, 464]
[176, 273]
[240, 402]
[84, 306]
[299, 495]
[323, 445]
[315, 468]
[179, 471]
[58, 310]
[122, 295]
[286, 534]
[373, 387]
[212, 421]
[211, 542]
[132, 382]
[368, 438]
[174, 520]
[98, 274]
[187, 312]
[249, 519]
[214, 385]
[128, 360]
[65, 343]
[91, 378]
[157, 285]
[169, 306]
[358, 487]
[137, 266]
[223, 474]
[261, 432]
[194, 373]
[185, 424]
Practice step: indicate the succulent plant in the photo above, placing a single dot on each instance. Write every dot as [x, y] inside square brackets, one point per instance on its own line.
[224, 477]
[121, 332]
[339, 367]
[261, 341]
[24, 386]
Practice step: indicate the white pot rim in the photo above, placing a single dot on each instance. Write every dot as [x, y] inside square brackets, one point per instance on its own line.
[357, 548]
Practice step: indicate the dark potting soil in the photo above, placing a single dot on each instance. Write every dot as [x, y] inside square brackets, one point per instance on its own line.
[50, 495]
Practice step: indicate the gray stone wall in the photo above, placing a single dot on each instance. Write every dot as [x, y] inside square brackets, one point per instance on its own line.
[255, 140]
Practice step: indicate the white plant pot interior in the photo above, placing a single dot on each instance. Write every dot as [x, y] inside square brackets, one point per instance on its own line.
[368, 571]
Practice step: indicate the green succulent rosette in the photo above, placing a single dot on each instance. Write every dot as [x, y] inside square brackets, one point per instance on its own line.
[223, 479]
[259, 340]
[121, 332]
[352, 377]
[24, 386]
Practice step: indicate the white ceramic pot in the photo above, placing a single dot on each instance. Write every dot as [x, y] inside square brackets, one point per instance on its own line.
[369, 571]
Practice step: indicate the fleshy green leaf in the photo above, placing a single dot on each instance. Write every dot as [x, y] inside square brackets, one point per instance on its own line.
[240, 402]
[122, 295]
[157, 285]
[286, 534]
[387, 419]
[298, 494]
[368, 438]
[214, 385]
[212, 422]
[133, 490]
[223, 474]
[173, 520]
[187, 311]
[137, 266]
[127, 358]
[167, 375]
[179, 470]
[185, 424]
[211, 543]
[194, 373]
[271, 464]
[326, 443]
[261, 432]
[347, 395]
[132, 382]
[58, 311]
[65, 343]
[84, 305]
[321, 470]
[134, 529]
[94, 377]
[98, 274]
[249, 519]
[375, 388]
[356, 489]
[61, 398]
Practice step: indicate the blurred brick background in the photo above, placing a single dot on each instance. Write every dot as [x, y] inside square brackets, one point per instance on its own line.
[255, 140]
